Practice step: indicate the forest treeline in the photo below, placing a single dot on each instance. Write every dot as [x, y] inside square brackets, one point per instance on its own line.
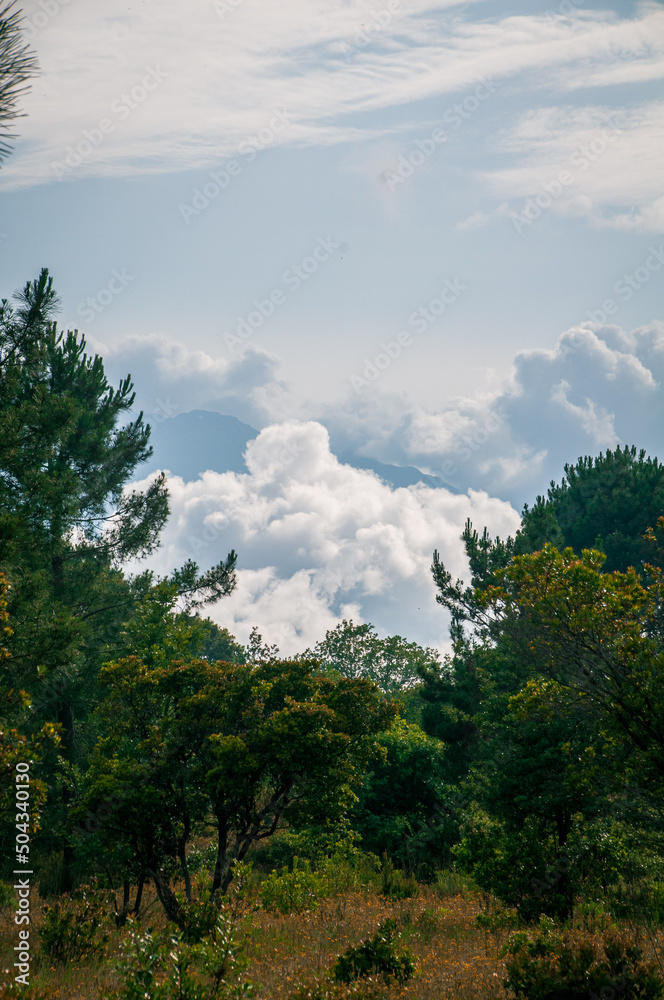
[530, 758]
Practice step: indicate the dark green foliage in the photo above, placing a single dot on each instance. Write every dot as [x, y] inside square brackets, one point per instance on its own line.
[404, 806]
[486, 558]
[640, 902]
[189, 745]
[67, 524]
[518, 867]
[550, 966]
[376, 956]
[452, 696]
[606, 503]
[550, 704]
[219, 644]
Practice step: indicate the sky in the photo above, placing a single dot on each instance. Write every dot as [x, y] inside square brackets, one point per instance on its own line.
[430, 234]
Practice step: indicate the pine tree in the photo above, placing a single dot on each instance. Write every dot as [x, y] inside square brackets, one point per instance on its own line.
[17, 65]
[67, 522]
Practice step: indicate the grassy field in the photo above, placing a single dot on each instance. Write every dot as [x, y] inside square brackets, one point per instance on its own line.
[455, 958]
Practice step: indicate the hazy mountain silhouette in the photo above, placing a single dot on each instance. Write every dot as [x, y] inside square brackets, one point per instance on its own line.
[192, 443]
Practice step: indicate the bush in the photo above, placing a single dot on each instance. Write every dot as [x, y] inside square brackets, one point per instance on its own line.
[377, 955]
[575, 966]
[74, 926]
[639, 902]
[333, 852]
[452, 883]
[313, 843]
[294, 891]
[404, 806]
[523, 870]
[202, 860]
[499, 920]
[200, 917]
[396, 885]
[165, 967]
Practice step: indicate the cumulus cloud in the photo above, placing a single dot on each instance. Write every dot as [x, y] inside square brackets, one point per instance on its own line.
[598, 387]
[319, 541]
[172, 378]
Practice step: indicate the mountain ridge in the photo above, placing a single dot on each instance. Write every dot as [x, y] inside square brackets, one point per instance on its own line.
[197, 441]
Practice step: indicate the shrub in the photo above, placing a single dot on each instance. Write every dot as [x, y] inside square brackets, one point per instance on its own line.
[294, 891]
[199, 918]
[576, 966]
[640, 902]
[498, 920]
[165, 967]
[202, 860]
[313, 843]
[377, 955]
[452, 883]
[76, 925]
[396, 885]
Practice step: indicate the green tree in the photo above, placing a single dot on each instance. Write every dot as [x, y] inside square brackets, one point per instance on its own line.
[234, 746]
[67, 523]
[452, 695]
[356, 651]
[594, 632]
[404, 806]
[604, 503]
[18, 748]
[608, 503]
[219, 644]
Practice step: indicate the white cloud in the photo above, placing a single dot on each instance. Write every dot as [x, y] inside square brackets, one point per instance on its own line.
[171, 378]
[593, 161]
[598, 387]
[319, 541]
[220, 80]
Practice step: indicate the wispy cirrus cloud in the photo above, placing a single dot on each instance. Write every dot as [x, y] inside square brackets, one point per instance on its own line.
[595, 161]
[221, 78]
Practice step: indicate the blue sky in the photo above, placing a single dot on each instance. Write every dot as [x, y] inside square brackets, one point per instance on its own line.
[481, 180]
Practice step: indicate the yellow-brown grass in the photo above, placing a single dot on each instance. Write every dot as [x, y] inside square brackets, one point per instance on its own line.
[454, 958]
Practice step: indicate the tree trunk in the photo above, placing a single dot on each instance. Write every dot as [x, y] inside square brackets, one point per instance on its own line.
[220, 864]
[168, 900]
[121, 917]
[139, 895]
[182, 851]
[66, 718]
[184, 865]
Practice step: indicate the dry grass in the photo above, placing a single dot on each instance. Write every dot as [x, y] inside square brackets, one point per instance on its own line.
[454, 958]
